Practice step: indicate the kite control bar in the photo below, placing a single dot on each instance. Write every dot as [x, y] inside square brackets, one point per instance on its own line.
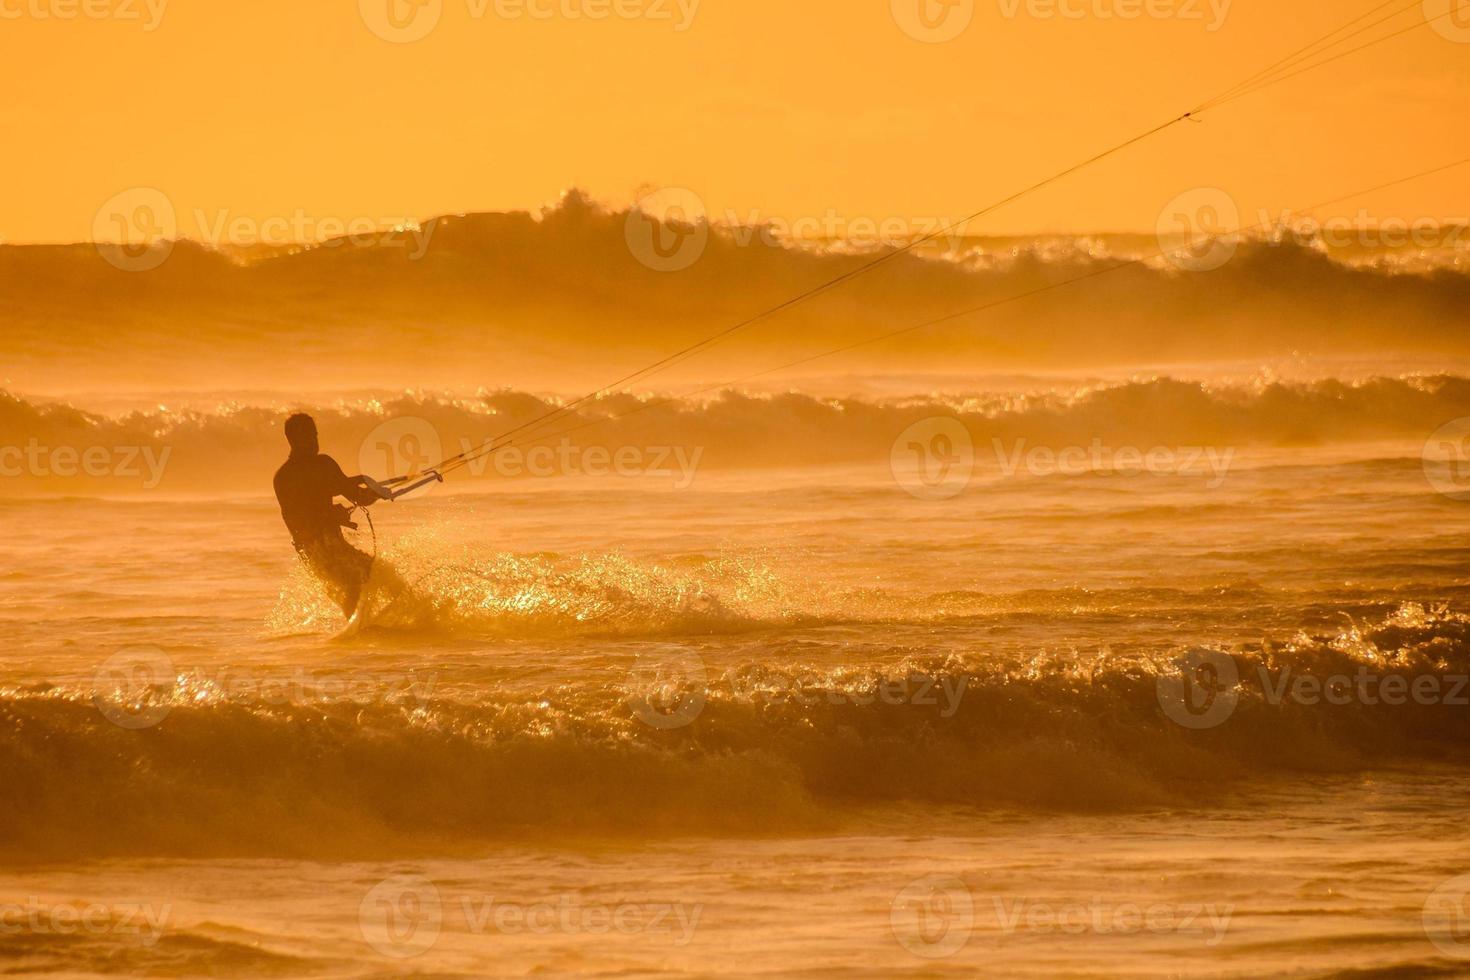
[433, 477]
[382, 489]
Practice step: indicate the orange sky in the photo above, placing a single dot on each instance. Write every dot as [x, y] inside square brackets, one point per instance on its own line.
[296, 110]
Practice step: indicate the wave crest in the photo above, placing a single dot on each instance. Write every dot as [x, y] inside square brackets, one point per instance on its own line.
[239, 445]
[759, 747]
[552, 299]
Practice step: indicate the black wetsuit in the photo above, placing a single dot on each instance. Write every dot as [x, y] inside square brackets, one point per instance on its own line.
[305, 488]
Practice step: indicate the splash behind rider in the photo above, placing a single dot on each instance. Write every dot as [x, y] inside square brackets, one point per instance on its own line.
[307, 486]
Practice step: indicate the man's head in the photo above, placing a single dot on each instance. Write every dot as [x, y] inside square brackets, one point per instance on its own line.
[301, 434]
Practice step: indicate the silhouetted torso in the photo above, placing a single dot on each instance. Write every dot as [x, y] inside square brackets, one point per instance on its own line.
[305, 486]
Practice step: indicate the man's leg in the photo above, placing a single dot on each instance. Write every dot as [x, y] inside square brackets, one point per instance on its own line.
[345, 571]
[356, 567]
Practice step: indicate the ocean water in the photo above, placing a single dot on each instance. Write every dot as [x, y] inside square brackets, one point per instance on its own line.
[842, 718]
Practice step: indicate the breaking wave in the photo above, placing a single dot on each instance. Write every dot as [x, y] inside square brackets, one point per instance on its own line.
[679, 747]
[238, 445]
[555, 298]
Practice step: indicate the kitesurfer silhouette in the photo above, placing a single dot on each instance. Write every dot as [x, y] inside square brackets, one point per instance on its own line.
[307, 486]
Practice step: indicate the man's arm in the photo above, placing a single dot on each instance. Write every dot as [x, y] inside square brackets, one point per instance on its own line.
[361, 490]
